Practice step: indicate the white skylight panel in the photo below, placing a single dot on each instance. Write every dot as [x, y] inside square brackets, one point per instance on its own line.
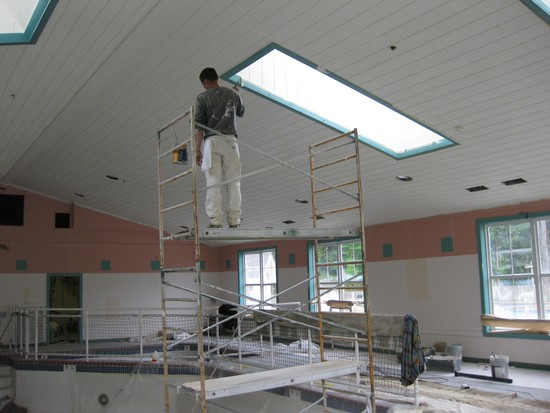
[325, 98]
[21, 21]
[15, 15]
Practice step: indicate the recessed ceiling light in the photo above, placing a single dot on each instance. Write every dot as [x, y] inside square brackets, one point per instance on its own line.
[288, 221]
[301, 201]
[404, 178]
[514, 181]
[477, 188]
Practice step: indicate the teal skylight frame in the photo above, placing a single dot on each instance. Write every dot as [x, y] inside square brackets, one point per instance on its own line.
[37, 21]
[244, 73]
[540, 7]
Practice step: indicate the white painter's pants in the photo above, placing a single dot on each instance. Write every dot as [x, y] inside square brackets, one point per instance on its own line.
[225, 165]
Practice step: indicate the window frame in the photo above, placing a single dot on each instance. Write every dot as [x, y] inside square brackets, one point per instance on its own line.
[312, 291]
[539, 8]
[37, 22]
[233, 77]
[242, 278]
[484, 268]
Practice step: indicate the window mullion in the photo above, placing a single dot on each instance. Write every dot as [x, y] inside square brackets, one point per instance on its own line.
[536, 269]
[340, 270]
[490, 276]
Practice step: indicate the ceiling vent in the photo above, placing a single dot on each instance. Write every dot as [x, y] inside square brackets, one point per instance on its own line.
[516, 181]
[477, 188]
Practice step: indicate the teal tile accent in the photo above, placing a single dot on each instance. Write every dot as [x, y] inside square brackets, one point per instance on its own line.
[447, 244]
[387, 250]
[292, 258]
[21, 265]
[155, 265]
[105, 265]
[227, 264]
[202, 265]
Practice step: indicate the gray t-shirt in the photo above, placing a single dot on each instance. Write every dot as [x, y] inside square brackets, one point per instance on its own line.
[216, 108]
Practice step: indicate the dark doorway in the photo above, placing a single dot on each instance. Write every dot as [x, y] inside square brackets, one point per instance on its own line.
[64, 302]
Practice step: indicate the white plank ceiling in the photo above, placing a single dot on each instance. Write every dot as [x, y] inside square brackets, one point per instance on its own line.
[86, 100]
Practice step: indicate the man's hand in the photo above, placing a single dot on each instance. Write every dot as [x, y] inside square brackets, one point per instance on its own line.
[199, 137]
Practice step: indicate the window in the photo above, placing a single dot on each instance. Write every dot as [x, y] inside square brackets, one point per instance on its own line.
[515, 262]
[21, 21]
[340, 273]
[310, 90]
[62, 220]
[258, 277]
[12, 210]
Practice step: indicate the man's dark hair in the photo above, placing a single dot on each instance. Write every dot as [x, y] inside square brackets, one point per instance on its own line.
[208, 74]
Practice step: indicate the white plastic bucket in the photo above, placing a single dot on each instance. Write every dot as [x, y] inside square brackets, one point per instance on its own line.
[455, 350]
[499, 365]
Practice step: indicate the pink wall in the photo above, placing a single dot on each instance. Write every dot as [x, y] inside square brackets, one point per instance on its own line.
[131, 247]
[421, 238]
[94, 237]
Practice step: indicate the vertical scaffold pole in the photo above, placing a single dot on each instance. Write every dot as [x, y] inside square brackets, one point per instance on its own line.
[162, 275]
[358, 198]
[365, 275]
[200, 321]
[316, 275]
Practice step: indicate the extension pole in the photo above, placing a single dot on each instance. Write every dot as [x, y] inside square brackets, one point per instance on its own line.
[482, 377]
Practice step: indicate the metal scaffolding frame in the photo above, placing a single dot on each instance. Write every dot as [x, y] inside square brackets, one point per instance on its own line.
[270, 379]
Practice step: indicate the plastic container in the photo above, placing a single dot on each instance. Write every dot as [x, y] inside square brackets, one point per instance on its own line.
[456, 351]
[499, 365]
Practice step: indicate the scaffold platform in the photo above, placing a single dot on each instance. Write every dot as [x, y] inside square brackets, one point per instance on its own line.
[270, 379]
[224, 234]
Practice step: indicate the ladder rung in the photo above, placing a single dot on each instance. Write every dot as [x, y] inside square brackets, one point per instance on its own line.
[337, 161]
[174, 121]
[331, 264]
[328, 188]
[340, 288]
[334, 138]
[185, 300]
[177, 206]
[360, 340]
[335, 211]
[175, 148]
[175, 177]
[180, 269]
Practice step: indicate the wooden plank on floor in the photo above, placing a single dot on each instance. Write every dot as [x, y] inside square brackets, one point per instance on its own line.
[492, 321]
[270, 379]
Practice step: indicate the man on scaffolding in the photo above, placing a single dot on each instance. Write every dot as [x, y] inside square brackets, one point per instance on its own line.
[218, 153]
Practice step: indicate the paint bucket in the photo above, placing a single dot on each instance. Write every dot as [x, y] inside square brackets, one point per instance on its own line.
[455, 350]
[499, 365]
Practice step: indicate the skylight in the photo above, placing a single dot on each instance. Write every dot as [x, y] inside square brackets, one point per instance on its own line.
[21, 21]
[540, 7]
[297, 84]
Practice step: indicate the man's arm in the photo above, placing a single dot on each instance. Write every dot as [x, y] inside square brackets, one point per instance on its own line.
[239, 106]
[199, 137]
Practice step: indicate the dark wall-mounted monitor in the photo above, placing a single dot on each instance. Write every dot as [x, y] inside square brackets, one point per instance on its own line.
[12, 208]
